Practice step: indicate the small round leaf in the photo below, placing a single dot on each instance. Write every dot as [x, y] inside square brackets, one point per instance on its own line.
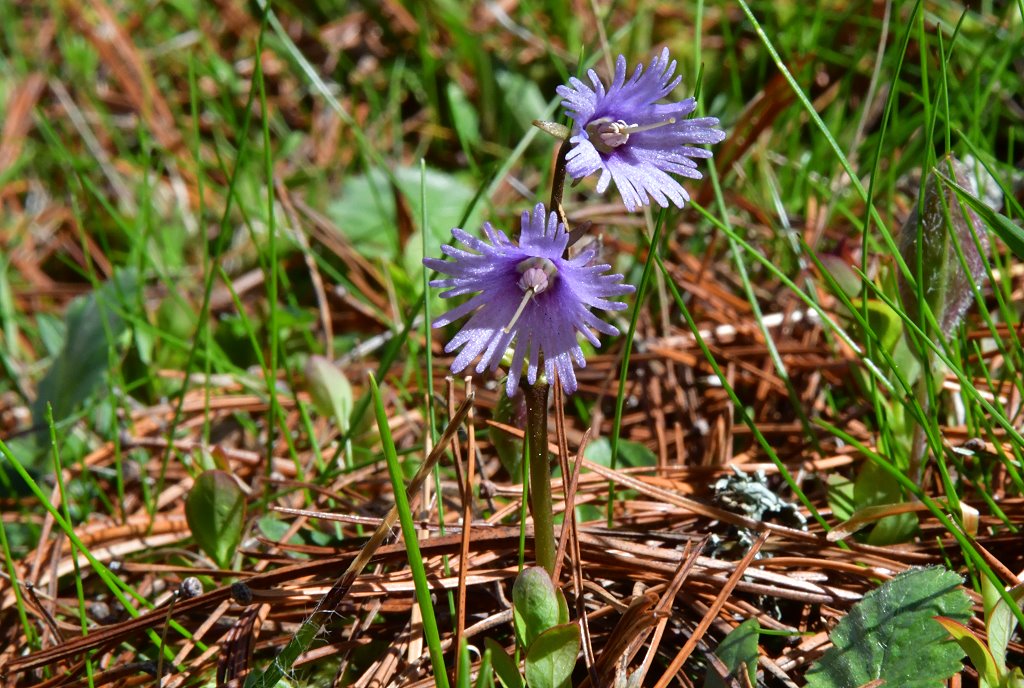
[552, 657]
[215, 511]
[534, 604]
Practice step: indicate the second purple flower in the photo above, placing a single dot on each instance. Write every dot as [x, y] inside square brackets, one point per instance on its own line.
[624, 133]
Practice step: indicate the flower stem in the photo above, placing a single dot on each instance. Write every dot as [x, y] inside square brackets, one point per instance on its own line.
[540, 474]
[537, 419]
[558, 183]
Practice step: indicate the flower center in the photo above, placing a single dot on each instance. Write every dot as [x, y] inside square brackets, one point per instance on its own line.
[537, 274]
[607, 135]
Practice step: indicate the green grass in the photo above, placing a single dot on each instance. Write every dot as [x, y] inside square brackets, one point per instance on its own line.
[165, 198]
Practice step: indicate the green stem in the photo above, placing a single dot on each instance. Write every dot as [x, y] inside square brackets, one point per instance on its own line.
[540, 474]
[558, 183]
[537, 418]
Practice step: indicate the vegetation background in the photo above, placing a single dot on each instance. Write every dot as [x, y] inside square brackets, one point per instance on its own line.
[196, 198]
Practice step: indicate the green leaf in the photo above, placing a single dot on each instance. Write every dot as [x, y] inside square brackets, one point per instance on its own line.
[523, 97]
[981, 658]
[94, 328]
[891, 634]
[272, 527]
[635, 455]
[586, 513]
[504, 666]
[464, 665]
[552, 657]
[535, 605]
[563, 607]
[464, 117]
[989, 598]
[737, 650]
[1000, 624]
[366, 214]
[330, 390]
[846, 278]
[631, 454]
[52, 332]
[906, 361]
[875, 487]
[176, 317]
[884, 322]
[485, 678]
[840, 496]
[215, 511]
[599, 451]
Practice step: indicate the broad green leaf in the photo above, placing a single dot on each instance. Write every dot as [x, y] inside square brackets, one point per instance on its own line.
[274, 528]
[504, 667]
[599, 451]
[738, 650]
[1015, 679]
[631, 454]
[636, 455]
[1000, 624]
[535, 606]
[884, 323]
[330, 390]
[215, 511]
[846, 278]
[981, 658]
[891, 634]
[840, 496]
[875, 487]
[552, 657]
[586, 513]
[906, 361]
[365, 211]
[94, 327]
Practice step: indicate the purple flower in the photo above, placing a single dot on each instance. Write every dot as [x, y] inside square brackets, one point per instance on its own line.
[529, 293]
[631, 139]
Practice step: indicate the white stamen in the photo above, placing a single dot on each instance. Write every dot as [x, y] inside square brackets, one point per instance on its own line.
[607, 135]
[519, 311]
